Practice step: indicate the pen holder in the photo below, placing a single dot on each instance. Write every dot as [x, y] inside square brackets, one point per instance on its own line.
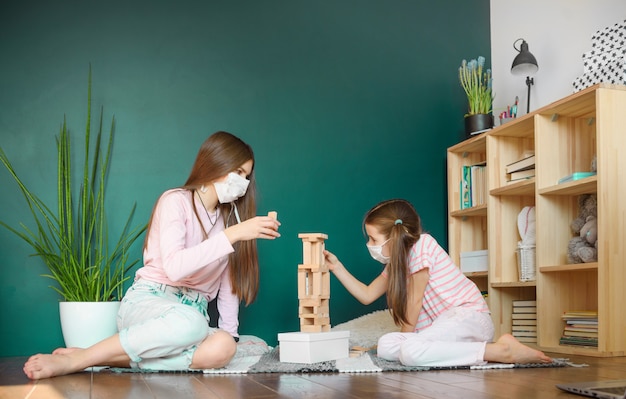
[505, 120]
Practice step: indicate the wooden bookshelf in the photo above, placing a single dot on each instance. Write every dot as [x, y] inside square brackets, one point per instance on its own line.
[565, 136]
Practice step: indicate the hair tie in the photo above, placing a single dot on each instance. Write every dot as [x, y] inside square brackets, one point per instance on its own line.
[398, 221]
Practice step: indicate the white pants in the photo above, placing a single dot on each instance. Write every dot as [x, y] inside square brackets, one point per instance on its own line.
[456, 338]
[160, 326]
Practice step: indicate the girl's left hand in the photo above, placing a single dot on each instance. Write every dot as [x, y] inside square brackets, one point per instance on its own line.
[332, 261]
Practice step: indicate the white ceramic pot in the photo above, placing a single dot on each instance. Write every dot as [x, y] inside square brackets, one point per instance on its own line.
[85, 323]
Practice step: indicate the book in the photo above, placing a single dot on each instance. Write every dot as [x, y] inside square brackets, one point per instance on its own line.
[524, 316]
[580, 334]
[583, 321]
[473, 186]
[578, 327]
[466, 196]
[520, 175]
[528, 339]
[478, 184]
[524, 309]
[524, 303]
[524, 328]
[575, 176]
[522, 164]
[580, 315]
[524, 322]
[518, 334]
[579, 341]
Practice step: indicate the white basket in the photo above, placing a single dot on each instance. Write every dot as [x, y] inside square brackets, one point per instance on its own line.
[526, 263]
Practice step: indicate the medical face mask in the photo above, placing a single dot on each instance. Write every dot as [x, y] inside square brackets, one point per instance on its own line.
[376, 251]
[232, 188]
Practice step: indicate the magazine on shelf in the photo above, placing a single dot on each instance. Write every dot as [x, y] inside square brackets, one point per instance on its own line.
[523, 164]
[521, 175]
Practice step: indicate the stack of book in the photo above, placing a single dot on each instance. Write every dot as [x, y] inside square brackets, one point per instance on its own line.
[581, 328]
[524, 317]
[521, 169]
[473, 185]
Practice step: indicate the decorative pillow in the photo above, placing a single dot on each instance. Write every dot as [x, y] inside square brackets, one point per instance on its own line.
[366, 330]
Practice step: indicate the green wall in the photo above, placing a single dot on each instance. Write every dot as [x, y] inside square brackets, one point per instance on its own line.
[346, 103]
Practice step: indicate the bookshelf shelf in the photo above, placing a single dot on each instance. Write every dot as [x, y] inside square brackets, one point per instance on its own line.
[476, 274]
[588, 185]
[514, 284]
[479, 210]
[524, 187]
[565, 137]
[569, 268]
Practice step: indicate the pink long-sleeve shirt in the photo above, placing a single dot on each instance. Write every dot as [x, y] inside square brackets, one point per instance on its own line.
[177, 254]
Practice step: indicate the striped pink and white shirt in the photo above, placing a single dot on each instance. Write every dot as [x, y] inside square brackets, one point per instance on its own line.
[447, 286]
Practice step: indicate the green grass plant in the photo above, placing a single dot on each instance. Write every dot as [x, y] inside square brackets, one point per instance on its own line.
[73, 242]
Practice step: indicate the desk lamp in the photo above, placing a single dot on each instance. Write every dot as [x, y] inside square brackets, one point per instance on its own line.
[524, 64]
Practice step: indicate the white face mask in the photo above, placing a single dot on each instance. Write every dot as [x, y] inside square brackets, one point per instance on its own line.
[376, 251]
[232, 188]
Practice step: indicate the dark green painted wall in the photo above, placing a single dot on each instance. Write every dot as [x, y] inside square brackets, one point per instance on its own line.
[345, 102]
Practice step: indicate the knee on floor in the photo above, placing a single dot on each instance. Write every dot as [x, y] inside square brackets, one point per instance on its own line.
[413, 353]
[216, 351]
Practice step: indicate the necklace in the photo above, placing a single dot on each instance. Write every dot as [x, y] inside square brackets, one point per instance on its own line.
[207, 211]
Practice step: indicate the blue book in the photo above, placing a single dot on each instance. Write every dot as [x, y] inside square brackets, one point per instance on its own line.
[576, 176]
[466, 187]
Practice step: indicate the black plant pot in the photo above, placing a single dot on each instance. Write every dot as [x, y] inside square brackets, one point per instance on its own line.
[478, 123]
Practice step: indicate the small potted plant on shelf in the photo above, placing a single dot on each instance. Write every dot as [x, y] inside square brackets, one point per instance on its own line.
[72, 240]
[476, 80]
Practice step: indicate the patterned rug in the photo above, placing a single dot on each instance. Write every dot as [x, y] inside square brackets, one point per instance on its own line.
[368, 362]
[255, 356]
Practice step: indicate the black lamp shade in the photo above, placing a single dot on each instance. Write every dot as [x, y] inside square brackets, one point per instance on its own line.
[524, 63]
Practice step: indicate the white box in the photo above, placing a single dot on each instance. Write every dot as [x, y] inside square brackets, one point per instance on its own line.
[474, 261]
[301, 347]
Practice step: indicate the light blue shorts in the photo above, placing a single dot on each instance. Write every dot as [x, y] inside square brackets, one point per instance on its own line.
[160, 326]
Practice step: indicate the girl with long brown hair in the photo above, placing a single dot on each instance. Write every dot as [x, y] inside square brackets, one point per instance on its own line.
[200, 245]
[442, 316]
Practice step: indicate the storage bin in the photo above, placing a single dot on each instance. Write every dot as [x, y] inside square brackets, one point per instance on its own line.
[474, 261]
[526, 262]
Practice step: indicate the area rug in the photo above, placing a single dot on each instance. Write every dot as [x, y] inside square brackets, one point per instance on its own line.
[255, 356]
[368, 362]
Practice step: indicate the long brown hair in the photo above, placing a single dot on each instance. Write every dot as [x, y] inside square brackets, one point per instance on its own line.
[220, 154]
[397, 220]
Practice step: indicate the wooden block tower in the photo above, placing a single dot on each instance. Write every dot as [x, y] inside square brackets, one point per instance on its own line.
[314, 285]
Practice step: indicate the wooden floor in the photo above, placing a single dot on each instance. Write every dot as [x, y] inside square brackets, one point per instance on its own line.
[466, 384]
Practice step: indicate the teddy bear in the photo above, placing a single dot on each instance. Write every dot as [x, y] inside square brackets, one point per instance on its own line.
[583, 248]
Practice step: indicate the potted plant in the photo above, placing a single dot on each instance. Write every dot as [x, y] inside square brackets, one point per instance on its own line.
[476, 81]
[73, 239]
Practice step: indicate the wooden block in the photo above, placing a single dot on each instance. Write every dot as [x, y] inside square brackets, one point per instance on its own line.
[317, 321]
[326, 284]
[315, 328]
[313, 301]
[302, 284]
[314, 311]
[311, 328]
[273, 214]
[307, 255]
[312, 236]
[313, 268]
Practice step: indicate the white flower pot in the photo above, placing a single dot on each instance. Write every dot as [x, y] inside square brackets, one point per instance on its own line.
[85, 323]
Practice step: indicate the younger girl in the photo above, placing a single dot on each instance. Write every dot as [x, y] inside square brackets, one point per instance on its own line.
[200, 244]
[443, 318]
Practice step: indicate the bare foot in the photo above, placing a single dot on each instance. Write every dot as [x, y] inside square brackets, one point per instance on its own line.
[507, 349]
[64, 351]
[45, 366]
